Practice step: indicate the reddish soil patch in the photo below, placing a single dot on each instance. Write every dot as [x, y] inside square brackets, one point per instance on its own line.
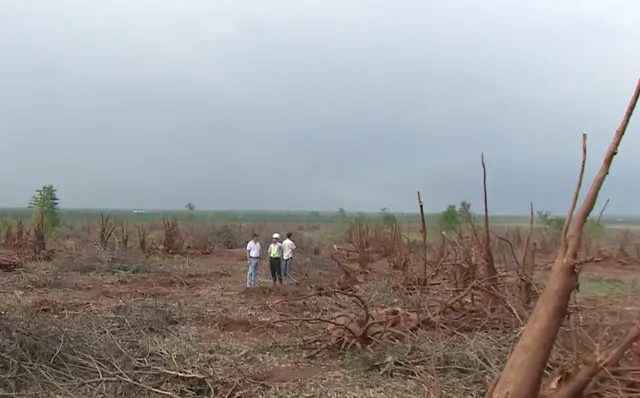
[145, 287]
[59, 307]
[282, 374]
[207, 275]
[231, 324]
[173, 281]
[99, 293]
[611, 269]
[233, 255]
[605, 269]
[278, 291]
[239, 325]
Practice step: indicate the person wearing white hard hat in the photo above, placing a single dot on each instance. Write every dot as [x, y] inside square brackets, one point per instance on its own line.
[275, 259]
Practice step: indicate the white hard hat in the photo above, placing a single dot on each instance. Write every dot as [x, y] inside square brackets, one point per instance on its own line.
[276, 236]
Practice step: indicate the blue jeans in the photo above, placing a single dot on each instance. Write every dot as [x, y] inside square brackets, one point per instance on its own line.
[252, 273]
[286, 269]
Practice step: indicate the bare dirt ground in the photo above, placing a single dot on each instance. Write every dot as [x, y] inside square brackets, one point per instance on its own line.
[107, 326]
[188, 319]
[611, 269]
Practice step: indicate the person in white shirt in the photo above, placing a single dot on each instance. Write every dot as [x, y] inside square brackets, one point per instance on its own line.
[253, 258]
[288, 247]
[275, 259]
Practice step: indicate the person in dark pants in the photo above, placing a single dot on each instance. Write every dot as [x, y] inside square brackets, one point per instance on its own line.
[275, 259]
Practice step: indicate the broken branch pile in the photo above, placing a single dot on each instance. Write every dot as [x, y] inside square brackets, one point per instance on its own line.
[115, 354]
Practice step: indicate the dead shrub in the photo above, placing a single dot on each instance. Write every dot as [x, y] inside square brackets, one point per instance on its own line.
[309, 244]
[143, 234]
[226, 237]
[173, 239]
[39, 240]
[123, 235]
[359, 236]
[106, 230]
[200, 236]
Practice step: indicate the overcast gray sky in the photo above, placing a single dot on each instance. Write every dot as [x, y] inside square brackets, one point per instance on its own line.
[315, 104]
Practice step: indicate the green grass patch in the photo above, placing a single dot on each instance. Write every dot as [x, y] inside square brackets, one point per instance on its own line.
[256, 216]
[601, 286]
[244, 216]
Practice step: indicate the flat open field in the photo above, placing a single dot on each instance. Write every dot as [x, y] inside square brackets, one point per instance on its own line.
[191, 316]
[113, 322]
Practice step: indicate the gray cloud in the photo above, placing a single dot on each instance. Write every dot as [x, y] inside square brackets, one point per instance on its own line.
[355, 104]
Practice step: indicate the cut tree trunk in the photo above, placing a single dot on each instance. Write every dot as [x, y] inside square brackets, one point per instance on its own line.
[522, 375]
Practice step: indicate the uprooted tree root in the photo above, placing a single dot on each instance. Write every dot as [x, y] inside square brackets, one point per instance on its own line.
[456, 341]
[397, 341]
[349, 330]
[366, 327]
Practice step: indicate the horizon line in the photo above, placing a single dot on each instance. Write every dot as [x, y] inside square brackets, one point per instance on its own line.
[97, 209]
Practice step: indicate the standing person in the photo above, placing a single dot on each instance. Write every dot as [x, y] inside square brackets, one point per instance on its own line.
[288, 247]
[275, 259]
[253, 258]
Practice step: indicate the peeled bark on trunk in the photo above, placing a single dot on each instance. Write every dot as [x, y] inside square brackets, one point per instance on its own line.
[523, 372]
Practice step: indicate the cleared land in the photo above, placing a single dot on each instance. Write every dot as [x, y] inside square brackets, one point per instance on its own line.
[112, 320]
